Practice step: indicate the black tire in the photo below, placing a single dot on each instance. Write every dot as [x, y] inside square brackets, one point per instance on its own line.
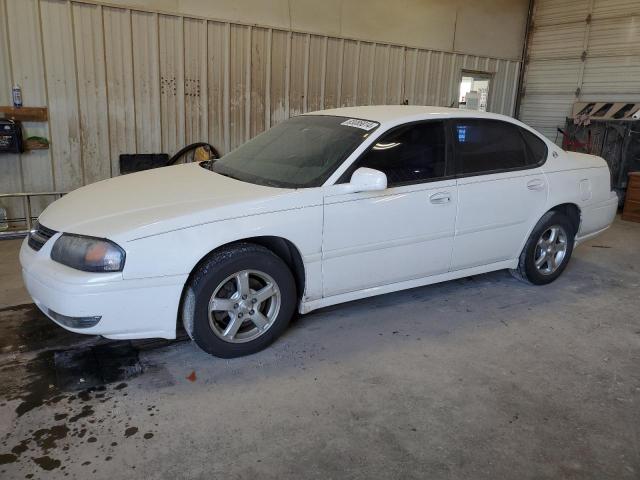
[527, 270]
[220, 265]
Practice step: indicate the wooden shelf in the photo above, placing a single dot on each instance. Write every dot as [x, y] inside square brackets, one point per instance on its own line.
[25, 114]
[34, 145]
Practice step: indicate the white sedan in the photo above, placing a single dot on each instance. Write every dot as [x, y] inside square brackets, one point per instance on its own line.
[324, 208]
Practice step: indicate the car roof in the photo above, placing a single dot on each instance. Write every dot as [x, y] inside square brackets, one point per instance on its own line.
[394, 114]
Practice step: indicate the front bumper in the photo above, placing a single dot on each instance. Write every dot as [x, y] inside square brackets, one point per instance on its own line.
[128, 309]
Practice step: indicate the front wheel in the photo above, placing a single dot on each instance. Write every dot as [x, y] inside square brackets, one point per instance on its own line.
[547, 251]
[239, 301]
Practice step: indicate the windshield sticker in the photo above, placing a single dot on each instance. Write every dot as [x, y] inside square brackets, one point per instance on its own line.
[363, 124]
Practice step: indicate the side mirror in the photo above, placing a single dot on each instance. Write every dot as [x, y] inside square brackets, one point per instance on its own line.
[367, 180]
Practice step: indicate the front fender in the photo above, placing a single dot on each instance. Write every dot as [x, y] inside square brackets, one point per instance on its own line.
[178, 252]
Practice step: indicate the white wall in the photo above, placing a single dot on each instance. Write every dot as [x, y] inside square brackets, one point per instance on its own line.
[488, 27]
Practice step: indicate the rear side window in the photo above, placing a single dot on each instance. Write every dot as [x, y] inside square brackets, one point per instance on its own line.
[537, 149]
[484, 146]
[408, 154]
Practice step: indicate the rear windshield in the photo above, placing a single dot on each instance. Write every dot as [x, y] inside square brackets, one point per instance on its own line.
[297, 153]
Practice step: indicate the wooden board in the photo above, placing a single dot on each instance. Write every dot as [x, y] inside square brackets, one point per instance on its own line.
[25, 114]
[631, 210]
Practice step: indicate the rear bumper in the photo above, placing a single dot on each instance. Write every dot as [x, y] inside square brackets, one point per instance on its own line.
[596, 218]
[128, 309]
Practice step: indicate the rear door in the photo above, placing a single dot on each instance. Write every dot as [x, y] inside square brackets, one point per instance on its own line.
[401, 233]
[502, 190]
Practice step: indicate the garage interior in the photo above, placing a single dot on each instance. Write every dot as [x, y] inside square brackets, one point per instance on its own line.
[483, 377]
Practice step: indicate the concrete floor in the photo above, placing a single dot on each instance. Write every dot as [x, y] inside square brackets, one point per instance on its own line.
[481, 378]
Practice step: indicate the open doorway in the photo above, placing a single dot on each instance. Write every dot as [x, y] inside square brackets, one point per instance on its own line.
[474, 91]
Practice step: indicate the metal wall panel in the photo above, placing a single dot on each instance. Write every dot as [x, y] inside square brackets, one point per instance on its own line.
[316, 71]
[27, 68]
[580, 50]
[298, 73]
[195, 80]
[279, 83]
[615, 36]
[92, 92]
[120, 80]
[612, 77]
[240, 84]
[218, 84]
[557, 41]
[172, 100]
[395, 76]
[552, 76]
[146, 81]
[260, 80]
[60, 74]
[350, 59]
[118, 49]
[10, 171]
[366, 64]
[552, 12]
[333, 72]
[545, 112]
[614, 8]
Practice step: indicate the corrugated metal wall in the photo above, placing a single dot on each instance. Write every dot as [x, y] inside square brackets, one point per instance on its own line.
[580, 50]
[118, 80]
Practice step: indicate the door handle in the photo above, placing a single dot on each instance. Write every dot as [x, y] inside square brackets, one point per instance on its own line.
[440, 198]
[535, 184]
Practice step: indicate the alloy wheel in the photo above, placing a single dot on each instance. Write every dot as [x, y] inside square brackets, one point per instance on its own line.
[244, 306]
[551, 250]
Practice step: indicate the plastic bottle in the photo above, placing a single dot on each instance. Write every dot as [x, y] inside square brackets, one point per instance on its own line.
[16, 93]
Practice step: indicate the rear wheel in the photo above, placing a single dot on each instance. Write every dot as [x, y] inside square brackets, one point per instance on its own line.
[239, 301]
[547, 251]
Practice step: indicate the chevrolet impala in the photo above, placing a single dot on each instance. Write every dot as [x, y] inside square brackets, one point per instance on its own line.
[323, 208]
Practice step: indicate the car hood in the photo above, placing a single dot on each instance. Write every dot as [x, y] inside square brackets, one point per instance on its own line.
[159, 200]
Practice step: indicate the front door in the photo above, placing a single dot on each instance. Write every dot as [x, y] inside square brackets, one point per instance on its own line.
[502, 192]
[402, 233]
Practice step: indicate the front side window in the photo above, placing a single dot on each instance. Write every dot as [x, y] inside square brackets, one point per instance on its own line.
[299, 152]
[484, 146]
[408, 154]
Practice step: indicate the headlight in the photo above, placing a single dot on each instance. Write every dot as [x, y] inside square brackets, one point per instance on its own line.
[88, 253]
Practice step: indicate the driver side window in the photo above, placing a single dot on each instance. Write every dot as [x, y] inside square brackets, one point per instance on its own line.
[409, 154]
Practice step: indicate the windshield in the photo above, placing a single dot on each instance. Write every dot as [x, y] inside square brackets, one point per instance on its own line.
[300, 152]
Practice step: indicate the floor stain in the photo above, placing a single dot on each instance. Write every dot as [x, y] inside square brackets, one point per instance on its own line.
[7, 458]
[47, 367]
[47, 463]
[46, 438]
[25, 329]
